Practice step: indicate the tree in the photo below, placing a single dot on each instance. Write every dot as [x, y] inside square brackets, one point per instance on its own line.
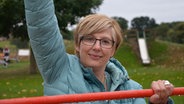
[68, 12]
[161, 31]
[173, 32]
[142, 23]
[122, 22]
[176, 33]
[12, 19]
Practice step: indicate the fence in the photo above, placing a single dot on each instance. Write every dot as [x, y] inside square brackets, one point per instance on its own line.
[86, 97]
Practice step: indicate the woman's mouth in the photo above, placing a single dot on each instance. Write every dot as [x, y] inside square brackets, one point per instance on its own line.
[95, 57]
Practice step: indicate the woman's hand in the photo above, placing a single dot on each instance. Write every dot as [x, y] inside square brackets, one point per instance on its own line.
[162, 89]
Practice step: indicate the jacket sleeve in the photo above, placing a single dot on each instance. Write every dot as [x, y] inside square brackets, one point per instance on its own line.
[137, 86]
[45, 38]
[170, 101]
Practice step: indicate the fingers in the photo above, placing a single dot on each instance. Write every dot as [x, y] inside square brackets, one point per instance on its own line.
[161, 94]
[155, 99]
[169, 88]
[162, 90]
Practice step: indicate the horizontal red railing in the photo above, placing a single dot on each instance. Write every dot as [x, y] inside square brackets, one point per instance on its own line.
[86, 97]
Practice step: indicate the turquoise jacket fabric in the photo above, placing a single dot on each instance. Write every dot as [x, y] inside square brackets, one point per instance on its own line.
[62, 72]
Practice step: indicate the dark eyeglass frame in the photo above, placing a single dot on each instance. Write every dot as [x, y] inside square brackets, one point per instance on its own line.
[91, 40]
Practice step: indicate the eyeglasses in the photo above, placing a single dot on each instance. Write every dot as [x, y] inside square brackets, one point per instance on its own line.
[90, 41]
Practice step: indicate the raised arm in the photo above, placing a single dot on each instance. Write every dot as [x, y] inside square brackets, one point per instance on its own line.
[45, 38]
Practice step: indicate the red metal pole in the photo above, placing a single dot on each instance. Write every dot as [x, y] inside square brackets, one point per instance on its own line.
[69, 98]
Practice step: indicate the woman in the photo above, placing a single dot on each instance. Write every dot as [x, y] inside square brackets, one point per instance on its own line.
[92, 69]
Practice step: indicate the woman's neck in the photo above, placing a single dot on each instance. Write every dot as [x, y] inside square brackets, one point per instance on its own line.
[100, 74]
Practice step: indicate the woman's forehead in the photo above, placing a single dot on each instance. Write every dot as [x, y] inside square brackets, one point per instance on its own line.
[104, 34]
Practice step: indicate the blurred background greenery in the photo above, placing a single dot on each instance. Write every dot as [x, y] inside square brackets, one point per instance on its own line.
[165, 43]
[167, 63]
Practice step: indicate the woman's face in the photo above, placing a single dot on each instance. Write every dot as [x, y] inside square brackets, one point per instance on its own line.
[96, 56]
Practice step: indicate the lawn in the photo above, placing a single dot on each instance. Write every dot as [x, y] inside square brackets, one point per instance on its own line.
[15, 81]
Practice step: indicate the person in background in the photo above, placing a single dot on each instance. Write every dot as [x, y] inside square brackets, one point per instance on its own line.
[93, 68]
[6, 56]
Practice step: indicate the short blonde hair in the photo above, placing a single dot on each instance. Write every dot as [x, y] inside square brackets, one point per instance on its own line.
[96, 23]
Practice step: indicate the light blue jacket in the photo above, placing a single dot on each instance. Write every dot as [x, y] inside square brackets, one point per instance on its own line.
[62, 72]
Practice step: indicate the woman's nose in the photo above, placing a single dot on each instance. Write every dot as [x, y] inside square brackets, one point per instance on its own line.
[97, 44]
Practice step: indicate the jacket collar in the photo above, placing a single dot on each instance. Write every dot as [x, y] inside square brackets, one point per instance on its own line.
[117, 72]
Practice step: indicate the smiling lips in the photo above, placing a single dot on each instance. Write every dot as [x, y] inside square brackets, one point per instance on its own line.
[94, 56]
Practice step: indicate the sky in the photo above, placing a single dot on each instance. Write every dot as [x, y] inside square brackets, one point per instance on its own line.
[160, 10]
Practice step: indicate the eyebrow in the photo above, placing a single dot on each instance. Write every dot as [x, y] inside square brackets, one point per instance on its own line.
[101, 37]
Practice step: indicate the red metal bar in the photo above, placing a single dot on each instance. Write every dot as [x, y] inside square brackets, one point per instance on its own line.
[69, 98]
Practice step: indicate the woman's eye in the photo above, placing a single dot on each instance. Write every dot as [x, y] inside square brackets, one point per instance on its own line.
[90, 39]
[105, 41]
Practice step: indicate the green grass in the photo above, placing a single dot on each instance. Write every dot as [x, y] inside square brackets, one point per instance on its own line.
[127, 57]
[167, 64]
[148, 74]
[21, 86]
[15, 81]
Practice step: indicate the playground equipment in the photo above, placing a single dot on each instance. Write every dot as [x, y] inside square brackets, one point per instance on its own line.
[143, 51]
[86, 97]
[141, 38]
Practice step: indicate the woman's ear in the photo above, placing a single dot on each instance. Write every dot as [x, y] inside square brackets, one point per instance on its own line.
[113, 52]
[77, 48]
